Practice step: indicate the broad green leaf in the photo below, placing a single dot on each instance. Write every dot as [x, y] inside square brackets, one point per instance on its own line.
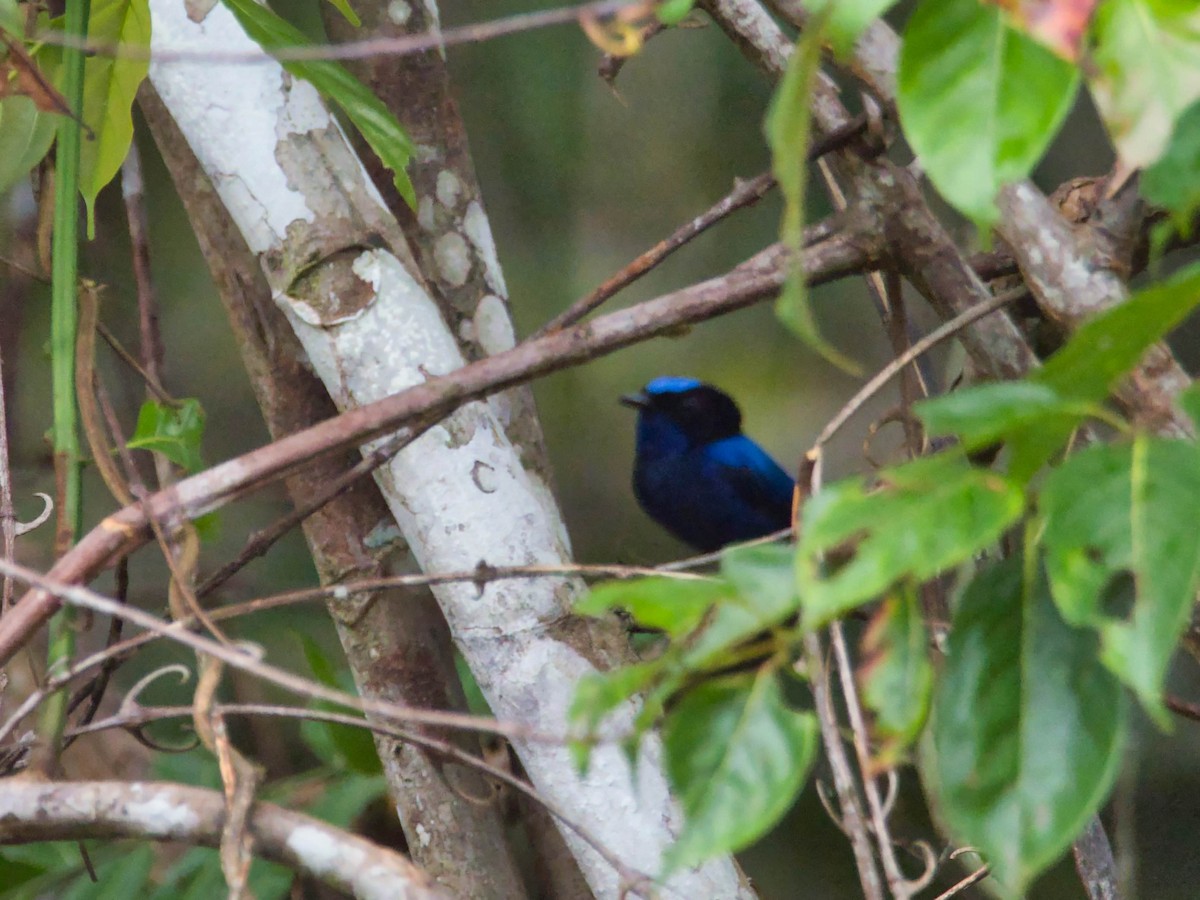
[981, 415]
[1130, 509]
[1189, 402]
[927, 516]
[25, 137]
[979, 101]
[672, 12]
[1027, 727]
[599, 693]
[370, 116]
[848, 19]
[1098, 354]
[1173, 182]
[173, 431]
[763, 580]
[787, 128]
[339, 746]
[736, 756]
[348, 13]
[110, 86]
[11, 18]
[1146, 64]
[764, 576]
[675, 606]
[896, 675]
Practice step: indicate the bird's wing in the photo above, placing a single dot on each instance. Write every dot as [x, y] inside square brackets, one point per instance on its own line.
[757, 478]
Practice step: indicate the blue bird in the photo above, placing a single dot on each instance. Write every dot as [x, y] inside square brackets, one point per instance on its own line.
[696, 474]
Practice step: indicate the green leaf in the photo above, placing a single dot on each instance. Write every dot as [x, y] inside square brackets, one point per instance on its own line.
[110, 85]
[737, 756]
[1146, 65]
[1099, 353]
[672, 12]
[987, 413]
[1174, 181]
[1131, 509]
[1027, 727]
[369, 114]
[339, 746]
[173, 431]
[979, 101]
[927, 516]
[673, 605]
[896, 675]
[25, 137]
[343, 6]
[848, 19]
[599, 693]
[787, 128]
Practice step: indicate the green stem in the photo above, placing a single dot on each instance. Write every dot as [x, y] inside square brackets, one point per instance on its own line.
[63, 327]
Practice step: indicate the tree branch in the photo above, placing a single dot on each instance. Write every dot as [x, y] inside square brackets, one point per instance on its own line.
[41, 811]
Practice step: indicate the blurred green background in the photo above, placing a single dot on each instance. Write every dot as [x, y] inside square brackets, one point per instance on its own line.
[577, 180]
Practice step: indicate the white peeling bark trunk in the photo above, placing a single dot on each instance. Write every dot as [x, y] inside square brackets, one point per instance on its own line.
[460, 493]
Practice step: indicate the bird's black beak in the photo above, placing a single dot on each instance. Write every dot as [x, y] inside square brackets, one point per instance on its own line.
[637, 401]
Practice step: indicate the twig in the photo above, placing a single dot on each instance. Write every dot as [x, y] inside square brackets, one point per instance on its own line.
[744, 193]
[8, 513]
[931, 340]
[973, 879]
[377, 46]
[899, 885]
[843, 779]
[418, 407]
[87, 599]
[262, 541]
[132, 191]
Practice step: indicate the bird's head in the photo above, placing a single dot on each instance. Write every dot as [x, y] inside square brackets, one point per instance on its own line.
[677, 413]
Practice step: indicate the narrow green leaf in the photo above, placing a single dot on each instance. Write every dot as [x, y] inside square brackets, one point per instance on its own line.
[174, 431]
[674, 605]
[370, 116]
[737, 756]
[339, 746]
[896, 675]
[979, 101]
[848, 19]
[1173, 182]
[1146, 65]
[787, 128]
[764, 578]
[987, 413]
[1130, 509]
[1027, 727]
[25, 137]
[927, 516]
[348, 13]
[109, 88]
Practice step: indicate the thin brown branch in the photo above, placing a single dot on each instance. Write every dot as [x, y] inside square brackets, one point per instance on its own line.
[41, 811]
[744, 193]
[87, 599]
[892, 369]
[417, 408]
[852, 819]
[970, 881]
[399, 46]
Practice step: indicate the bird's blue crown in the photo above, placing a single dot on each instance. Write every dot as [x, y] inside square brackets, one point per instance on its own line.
[672, 384]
